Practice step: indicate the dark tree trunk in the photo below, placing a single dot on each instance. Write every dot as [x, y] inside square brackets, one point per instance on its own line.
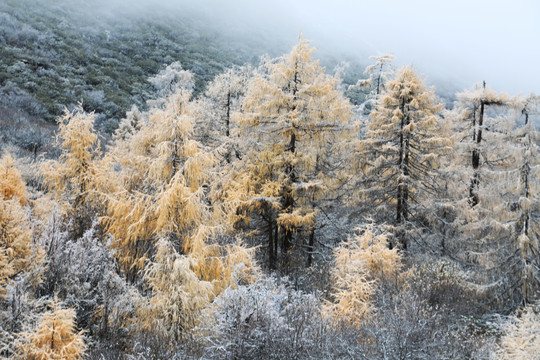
[271, 245]
[477, 137]
[403, 189]
[276, 237]
[288, 196]
[228, 115]
[311, 246]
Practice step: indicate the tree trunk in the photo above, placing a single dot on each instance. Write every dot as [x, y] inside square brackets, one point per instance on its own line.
[477, 136]
[311, 246]
[403, 190]
[288, 196]
[271, 245]
[228, 115]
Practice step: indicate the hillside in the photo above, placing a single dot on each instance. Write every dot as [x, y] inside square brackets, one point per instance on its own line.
[166, 192]
[56, 54]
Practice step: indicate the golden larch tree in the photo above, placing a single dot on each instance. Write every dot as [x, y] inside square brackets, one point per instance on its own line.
[15, 228]
[292, 115]
[72, 177]
[164, 224]
[159, 184]
[54, 338]
[362, 262]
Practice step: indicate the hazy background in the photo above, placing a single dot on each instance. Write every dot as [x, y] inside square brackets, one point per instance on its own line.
[464, 41]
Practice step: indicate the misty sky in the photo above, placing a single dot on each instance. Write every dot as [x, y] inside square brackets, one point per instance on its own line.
[465, 41]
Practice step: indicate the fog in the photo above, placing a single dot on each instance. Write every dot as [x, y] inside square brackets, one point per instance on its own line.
[458, 42]
[461, 41]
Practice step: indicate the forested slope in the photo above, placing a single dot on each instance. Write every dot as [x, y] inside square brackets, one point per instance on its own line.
[55, 54]
[266, 209]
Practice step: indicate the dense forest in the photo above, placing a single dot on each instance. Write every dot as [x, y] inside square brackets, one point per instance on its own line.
[164, 198]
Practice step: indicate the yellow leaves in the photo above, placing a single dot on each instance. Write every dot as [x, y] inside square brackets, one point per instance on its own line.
[178, 207]
[130, 222]
[293, 112]
[11, 183]
[352, 293]
[55, 337]
[161, 205]
[17, 253]
[178, 295]
[72, 176]
[397, 115]
[381, 262]
[15, 236]
[296, 97]
[361, 262]
[298, 219]
[271, 188]
[77, 133]
[160, 187]
[403, 144]
[184, 285]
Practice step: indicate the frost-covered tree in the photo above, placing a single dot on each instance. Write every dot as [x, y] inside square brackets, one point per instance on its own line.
[11, 183]
[159, 187]
[527, 221]
[54, 338]
[220, 103]
[510, 198]
[477, 126]
[21, 257]
[16, 243]
[17, 248]
[378, 75]
[492, 192]
[400, 152]
[170, 80]
[267, 320]
[521, 338]
[520, 211]
[361, 262]
[164, 225]
[129, 125]
[82, 273]
[73, 176]
[295, 113]
[184, 286]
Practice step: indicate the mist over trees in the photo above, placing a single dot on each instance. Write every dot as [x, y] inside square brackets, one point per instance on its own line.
[262, 210]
